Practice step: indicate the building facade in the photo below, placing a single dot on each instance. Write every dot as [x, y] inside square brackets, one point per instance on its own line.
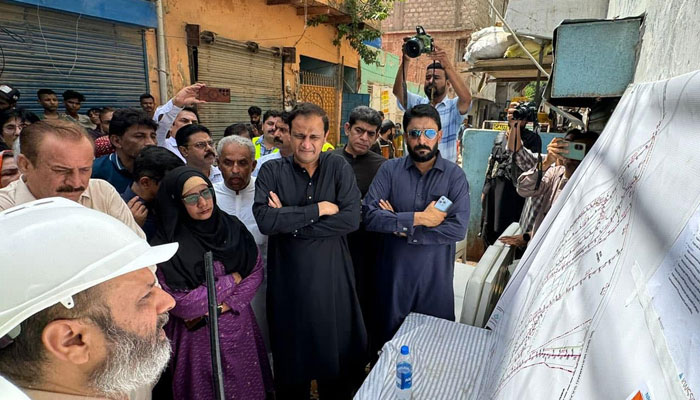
[450, 23]
[263, 51]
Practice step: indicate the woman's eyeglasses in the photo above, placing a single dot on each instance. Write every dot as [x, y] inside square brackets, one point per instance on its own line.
[193, 198]
[429, 133]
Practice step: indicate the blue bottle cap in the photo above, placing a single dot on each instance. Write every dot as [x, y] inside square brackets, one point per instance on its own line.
[404, 350]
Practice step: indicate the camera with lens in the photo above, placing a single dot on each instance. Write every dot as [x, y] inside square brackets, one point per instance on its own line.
[421, 43]
[526, 112]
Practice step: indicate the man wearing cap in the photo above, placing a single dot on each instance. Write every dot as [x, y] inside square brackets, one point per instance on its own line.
[8, 97]
[56, 160]
[80, 317]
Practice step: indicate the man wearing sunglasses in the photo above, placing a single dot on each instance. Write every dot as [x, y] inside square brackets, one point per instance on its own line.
[197, 147]
[452, 111]
[416, 261]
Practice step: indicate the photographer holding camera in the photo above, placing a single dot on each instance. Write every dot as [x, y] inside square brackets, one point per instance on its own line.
[441, 70]
[500, 203]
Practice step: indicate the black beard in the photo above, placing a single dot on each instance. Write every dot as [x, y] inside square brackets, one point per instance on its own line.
[413, 152]
[435, 92]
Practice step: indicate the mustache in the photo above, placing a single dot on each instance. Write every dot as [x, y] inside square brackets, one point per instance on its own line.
[70, 189]
[277, 140]
[422, 147]
[162, 320]
[210, 153]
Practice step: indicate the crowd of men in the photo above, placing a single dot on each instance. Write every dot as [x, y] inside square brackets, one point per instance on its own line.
[350, 239]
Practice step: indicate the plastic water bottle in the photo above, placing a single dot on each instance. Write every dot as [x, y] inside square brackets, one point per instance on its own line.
[404, 375]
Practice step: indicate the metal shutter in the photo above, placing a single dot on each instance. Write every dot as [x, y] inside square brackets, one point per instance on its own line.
[109, 66]
[255, 79]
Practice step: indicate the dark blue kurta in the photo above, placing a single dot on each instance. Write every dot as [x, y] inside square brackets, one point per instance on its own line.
[415, 273]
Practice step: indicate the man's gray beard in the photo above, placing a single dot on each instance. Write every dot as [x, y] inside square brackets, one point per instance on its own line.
[132, 361]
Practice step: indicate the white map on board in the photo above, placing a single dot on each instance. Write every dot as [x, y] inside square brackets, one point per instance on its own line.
[592, 312]
[568, 325]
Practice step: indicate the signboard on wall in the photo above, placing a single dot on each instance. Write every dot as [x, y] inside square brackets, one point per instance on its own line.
[385, 101]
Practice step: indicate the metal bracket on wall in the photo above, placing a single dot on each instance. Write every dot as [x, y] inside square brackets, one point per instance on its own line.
[288, 54]
[253, 47]
[208, 37]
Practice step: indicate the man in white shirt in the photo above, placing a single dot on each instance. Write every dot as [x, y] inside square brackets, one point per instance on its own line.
[235, 195]
[56, 158]
[175, 114]
[282, 139]
[197, 147]
[452, 111]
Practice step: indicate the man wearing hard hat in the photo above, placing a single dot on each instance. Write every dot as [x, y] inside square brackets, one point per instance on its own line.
[80, 316]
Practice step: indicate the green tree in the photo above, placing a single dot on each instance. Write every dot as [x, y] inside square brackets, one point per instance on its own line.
[529, 90]
[356, 31]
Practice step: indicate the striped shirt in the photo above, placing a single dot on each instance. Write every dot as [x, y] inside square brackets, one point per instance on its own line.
[450, 119]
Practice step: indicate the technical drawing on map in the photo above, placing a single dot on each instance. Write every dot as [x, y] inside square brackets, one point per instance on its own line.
[605, 216]
[544, 327]
[604, 302]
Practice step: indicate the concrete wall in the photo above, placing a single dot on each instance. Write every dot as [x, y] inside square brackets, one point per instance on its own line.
[152, 55]
[669, 44]
[244, 20]
[541, 17]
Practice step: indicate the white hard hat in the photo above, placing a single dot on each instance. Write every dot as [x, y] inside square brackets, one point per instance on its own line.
[58, 248]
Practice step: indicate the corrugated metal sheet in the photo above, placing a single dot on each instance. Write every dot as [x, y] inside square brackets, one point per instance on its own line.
[255, 79]
[59, 51]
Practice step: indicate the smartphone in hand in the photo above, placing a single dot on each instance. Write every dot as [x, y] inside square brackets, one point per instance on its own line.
[443, 204]
[214, 95]
[576, 150]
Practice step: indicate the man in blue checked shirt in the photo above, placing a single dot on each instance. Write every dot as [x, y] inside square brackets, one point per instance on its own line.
[452, 111]
[415, 267]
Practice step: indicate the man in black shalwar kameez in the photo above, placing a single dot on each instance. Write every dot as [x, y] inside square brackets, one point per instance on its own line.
[307, 203]
[362, 131]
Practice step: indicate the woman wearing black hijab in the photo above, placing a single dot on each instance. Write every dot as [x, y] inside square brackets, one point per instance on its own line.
[188, 214]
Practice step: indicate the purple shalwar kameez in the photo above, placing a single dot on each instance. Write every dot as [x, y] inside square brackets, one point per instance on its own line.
[243, 355]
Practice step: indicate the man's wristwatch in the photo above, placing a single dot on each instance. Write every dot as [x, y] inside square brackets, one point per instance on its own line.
[526, 237]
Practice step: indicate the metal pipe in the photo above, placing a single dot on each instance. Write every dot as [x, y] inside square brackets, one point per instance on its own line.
[538, 95]
[216, 368]
[518, 40]
[160, 42]
[283, 83]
